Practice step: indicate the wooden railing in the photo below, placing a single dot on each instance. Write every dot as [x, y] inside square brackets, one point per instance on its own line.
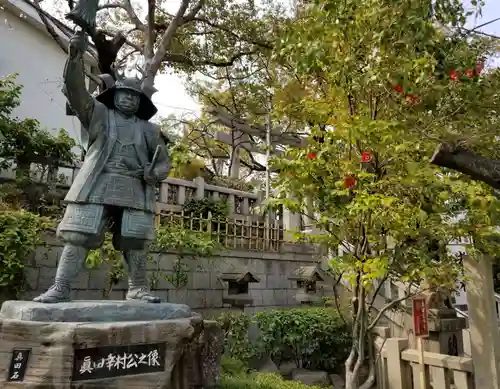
[398, 367]
[247, 233]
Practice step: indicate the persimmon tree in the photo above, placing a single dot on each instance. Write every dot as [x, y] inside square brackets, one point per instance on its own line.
[378, 85]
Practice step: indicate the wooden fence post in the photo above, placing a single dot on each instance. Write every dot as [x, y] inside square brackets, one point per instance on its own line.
[398, 373]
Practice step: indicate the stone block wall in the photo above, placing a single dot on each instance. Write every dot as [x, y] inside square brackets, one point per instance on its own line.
[204, 289]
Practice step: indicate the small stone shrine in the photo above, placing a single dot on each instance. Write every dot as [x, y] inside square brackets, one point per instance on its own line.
[236, 293]
[107, 344]
[307, 278]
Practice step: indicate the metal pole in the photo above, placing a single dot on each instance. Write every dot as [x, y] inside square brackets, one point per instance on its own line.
[268, 152]
[268, 175]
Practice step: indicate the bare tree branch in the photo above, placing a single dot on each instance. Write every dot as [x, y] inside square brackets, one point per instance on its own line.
[153, 64]
[265, 45]
[110, 6]
[151, 31]
[123, 60]
[127, 5]
[184, 59]
[127, 41]
[192, 14]
[107, 49]
[234, 78]
[377, 290]
[389, 306]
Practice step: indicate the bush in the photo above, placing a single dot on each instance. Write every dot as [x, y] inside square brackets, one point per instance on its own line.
[261, 381]
[229, 382]
[24, 145]
[273, 381]
[19, 236]
[218, 209]
[233, 367]
[314, 338]
[236, 342]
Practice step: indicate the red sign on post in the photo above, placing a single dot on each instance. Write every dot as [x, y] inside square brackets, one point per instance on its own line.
[420, 319]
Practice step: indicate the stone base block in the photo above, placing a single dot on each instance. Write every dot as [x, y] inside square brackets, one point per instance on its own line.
[92, 311]
[178, 353]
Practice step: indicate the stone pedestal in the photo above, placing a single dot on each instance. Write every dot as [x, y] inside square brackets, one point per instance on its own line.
[445, 328]
[445, 332]
[108, 344]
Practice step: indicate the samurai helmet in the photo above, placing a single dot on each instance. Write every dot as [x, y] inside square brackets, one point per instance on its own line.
[146, 108]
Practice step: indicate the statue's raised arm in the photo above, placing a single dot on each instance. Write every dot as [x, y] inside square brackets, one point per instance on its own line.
[79, 98]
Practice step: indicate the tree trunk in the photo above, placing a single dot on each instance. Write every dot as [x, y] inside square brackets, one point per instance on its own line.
[351, 380]
[357, 355]
[467, 162]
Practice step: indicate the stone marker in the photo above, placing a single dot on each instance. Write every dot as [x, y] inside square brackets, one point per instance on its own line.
[96, 347]
[311, 377]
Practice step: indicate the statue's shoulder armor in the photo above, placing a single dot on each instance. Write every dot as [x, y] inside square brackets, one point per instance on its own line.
[100, 108]
[150, 129]
[154, 130]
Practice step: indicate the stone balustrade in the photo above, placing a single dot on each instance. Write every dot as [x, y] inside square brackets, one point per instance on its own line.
[172, 194]
[175, 192]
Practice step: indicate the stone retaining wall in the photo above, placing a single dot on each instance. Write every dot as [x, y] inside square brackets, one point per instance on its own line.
[204, 289]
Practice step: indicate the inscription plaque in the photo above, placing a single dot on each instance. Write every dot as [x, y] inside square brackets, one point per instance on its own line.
[18, 364]
[116, 361]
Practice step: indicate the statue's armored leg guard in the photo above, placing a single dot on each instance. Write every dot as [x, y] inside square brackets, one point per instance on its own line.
[81, 229]
[70, 264]
[137, 280]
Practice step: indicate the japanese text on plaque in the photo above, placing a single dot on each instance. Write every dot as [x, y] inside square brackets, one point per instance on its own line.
[115, 361]
[18, 364]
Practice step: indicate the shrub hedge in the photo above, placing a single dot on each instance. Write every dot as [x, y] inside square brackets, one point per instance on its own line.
[313, 338]
[260, 381]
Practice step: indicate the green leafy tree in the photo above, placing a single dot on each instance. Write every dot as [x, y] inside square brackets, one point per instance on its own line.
[198, 35]
[208, 37]
[23, 146]
[378, 84]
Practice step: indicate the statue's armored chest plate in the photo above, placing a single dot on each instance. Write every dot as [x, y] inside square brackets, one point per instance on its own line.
[125, 129]
[125, 137]
[124, 158]
[120, 183]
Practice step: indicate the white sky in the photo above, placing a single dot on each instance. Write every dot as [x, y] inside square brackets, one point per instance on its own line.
[172, 97]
